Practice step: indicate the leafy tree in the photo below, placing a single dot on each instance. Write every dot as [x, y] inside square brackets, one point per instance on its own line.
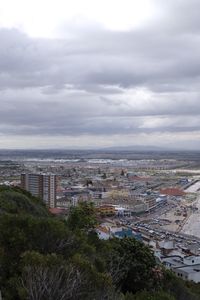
[131, 265]
[177, 287]
[89, 182]
[122, 172]
[15, 202]
[104, 176]
[160, 295]
[52, 277]
[42, 257]
[194, 287]
[82, 217]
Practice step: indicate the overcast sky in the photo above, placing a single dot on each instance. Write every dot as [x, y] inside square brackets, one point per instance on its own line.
[99, 73]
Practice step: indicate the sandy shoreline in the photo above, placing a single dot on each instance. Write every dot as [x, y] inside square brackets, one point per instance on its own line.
[192, 226]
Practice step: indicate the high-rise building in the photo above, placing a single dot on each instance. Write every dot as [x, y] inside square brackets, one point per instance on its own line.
[42, 186]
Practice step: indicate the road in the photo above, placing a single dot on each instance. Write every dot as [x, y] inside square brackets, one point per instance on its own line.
[193, 188]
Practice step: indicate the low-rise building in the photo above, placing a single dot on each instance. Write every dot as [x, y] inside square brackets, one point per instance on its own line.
[188, 268]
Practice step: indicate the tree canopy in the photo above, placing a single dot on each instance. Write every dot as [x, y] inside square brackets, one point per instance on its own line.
[44, 257]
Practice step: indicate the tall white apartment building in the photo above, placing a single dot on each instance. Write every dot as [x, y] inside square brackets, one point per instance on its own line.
[42, 186]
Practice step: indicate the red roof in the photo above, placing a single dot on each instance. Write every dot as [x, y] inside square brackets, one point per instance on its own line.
[172, 192]
[57, 211]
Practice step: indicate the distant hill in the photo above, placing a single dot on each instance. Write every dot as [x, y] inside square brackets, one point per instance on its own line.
[136, 148]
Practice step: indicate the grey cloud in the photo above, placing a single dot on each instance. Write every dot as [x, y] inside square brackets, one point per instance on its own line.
[103, 82]
[126, 59]
[182, 16]
[73, 113]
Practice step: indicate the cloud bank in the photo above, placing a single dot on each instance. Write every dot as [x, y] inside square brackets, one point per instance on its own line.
[95, 87]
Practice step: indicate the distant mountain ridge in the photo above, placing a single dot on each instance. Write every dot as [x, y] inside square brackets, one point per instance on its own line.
[137, 148]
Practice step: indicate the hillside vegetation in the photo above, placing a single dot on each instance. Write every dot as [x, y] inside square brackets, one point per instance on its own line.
[47, 258]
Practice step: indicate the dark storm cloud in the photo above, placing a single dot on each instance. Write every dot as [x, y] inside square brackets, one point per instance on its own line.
[104, 82]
